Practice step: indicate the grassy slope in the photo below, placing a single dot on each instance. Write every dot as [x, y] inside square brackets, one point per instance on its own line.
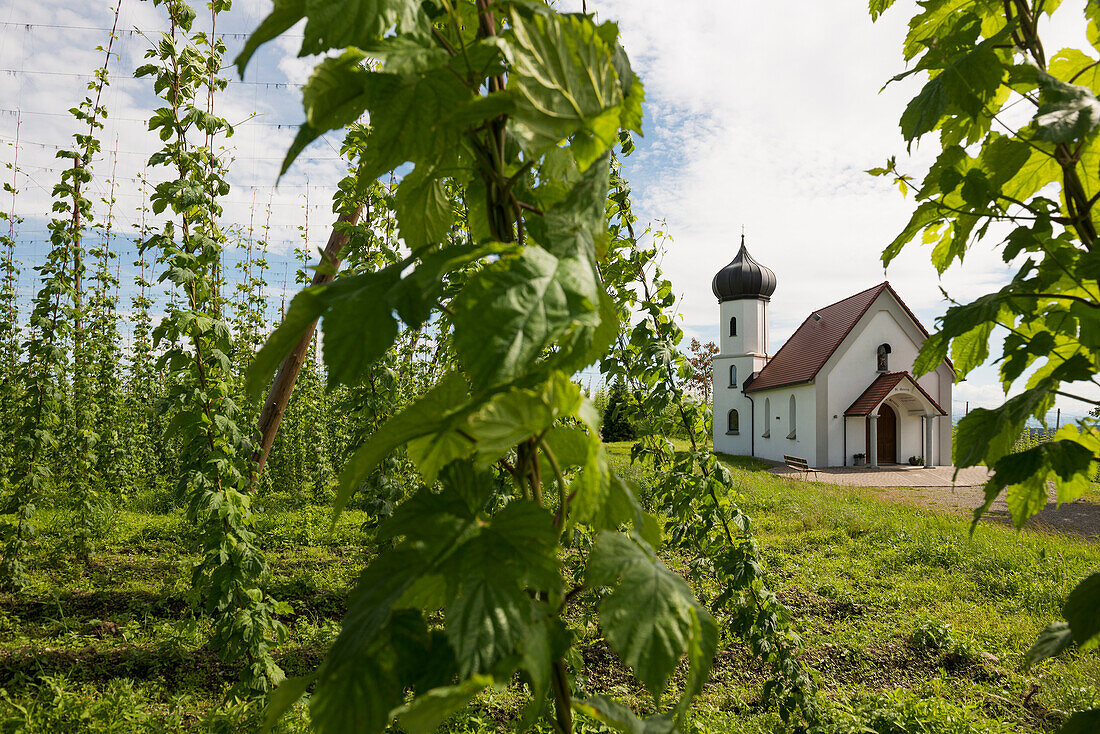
[115, 647]
[863, 577]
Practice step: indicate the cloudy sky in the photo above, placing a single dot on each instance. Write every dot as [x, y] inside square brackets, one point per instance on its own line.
[758, 115]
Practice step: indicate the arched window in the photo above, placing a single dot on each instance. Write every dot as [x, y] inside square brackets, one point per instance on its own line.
[734, 423]
[733, 375]
[791, 435]
[767, 419]
[733, 326]
[883, 357]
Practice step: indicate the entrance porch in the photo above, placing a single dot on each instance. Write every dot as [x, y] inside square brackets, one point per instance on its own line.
[899, 421]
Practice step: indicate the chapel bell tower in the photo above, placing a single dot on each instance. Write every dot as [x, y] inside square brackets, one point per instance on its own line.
[743, 289]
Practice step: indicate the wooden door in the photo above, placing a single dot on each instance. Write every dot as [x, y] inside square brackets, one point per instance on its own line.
[887, 435]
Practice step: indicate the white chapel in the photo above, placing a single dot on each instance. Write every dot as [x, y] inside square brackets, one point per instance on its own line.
[842, 385]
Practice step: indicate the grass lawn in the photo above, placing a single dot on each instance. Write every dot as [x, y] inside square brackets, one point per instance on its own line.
[912, 625]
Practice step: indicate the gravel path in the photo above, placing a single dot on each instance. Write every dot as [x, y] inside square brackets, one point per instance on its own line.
[933, 489]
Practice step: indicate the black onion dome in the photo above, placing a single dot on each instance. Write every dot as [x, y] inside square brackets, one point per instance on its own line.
[743, 278]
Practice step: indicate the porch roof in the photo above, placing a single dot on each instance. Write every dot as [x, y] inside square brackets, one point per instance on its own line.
[878, 391]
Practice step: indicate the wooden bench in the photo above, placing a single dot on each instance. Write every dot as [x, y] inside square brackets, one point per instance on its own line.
[798, 464]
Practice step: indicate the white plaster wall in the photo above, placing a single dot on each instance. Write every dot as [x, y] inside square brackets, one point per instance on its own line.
[752, 327]
[804, 444]
[857, 439]
[909, 432]
[728, 398]
[943, 430]
[746, 352]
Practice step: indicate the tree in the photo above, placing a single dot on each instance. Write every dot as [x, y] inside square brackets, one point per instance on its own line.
[616, 420]
[702, 356]
[1033, 189]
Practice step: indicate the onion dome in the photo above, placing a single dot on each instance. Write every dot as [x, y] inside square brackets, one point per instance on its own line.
[743, 278]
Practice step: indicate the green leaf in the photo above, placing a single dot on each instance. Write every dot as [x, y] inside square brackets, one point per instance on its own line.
[514, 309]
[406, 54]
[1082, 611]
[332, 24]
[1067, 112]
[547, 641]
[926, 214]
[1054, 638]
[878, 7]
[362, 306]
[304, 310]
[439, 448]
[357, 699]
[283, 698]
[430, 709]
[969, 322]
[432, 522]
[359, 325]
[520, 413]
[924, 111]
[284, 15]
[984, 436]
[523, 535]
[336, 95]
[702, 646]
[1082, 722]
[650, 616]
[565, 80]
[622, 719]
[446, 399]
[971, 349]
[1026, 474]
[412, 123]
[577, 223]
[371, 604]
[490, 615]
[424, 214]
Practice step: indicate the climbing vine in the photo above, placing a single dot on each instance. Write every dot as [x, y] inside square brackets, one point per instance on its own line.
[56, 317]
[197, 344]
[10, 328]
[516, 106]
[695, 491]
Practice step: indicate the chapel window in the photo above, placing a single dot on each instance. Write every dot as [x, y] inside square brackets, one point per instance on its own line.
[733, 423]
[733, 326]
[767, 419]
[791, 435]
[733, 375]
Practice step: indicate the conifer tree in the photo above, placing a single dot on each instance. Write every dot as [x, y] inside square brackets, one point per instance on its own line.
[616, 422]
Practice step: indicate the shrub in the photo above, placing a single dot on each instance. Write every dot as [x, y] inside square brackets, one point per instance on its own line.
[932, 634]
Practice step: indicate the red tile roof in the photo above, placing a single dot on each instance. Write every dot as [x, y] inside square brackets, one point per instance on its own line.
[805, 353]
[809, 348]
[880, 388]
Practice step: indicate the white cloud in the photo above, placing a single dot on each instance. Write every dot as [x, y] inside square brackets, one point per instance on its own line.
[766, 115]
[758, 114]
